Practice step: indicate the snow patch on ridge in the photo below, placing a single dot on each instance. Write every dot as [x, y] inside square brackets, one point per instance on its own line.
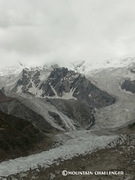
[69, 95]
[34, 90]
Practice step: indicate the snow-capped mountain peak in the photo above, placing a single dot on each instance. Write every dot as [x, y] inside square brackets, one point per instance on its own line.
[82, 66]
[88, 66]
[9, 70]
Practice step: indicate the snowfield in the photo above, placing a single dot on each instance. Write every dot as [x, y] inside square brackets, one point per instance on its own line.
[78, 142]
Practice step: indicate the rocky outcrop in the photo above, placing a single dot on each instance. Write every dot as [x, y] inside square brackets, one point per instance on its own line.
[128, 85]
[24, 81]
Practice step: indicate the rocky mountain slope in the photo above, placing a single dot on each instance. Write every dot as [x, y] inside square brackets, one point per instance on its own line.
[16, 108]
[91, 111]
[128, 85]
[63, 84]
[58, 92]
[18, 137]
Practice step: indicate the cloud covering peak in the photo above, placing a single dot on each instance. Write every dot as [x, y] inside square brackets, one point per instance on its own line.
[40, 31]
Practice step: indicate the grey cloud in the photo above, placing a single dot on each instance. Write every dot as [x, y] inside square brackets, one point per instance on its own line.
[66, 30]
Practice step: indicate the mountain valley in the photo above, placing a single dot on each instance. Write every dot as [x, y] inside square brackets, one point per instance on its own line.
[82, 113]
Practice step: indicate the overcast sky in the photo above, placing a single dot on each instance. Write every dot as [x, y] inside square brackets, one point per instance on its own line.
[40, 31]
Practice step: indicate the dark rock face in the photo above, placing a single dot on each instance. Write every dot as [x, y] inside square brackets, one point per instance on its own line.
[128, 85]
[64, 81]
[35, 78]
[47, 90]
[132, 70]
[25, 80]
[89, 93]
[59, 79]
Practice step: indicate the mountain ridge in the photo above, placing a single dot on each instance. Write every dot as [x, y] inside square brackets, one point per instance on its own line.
[81, 66]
